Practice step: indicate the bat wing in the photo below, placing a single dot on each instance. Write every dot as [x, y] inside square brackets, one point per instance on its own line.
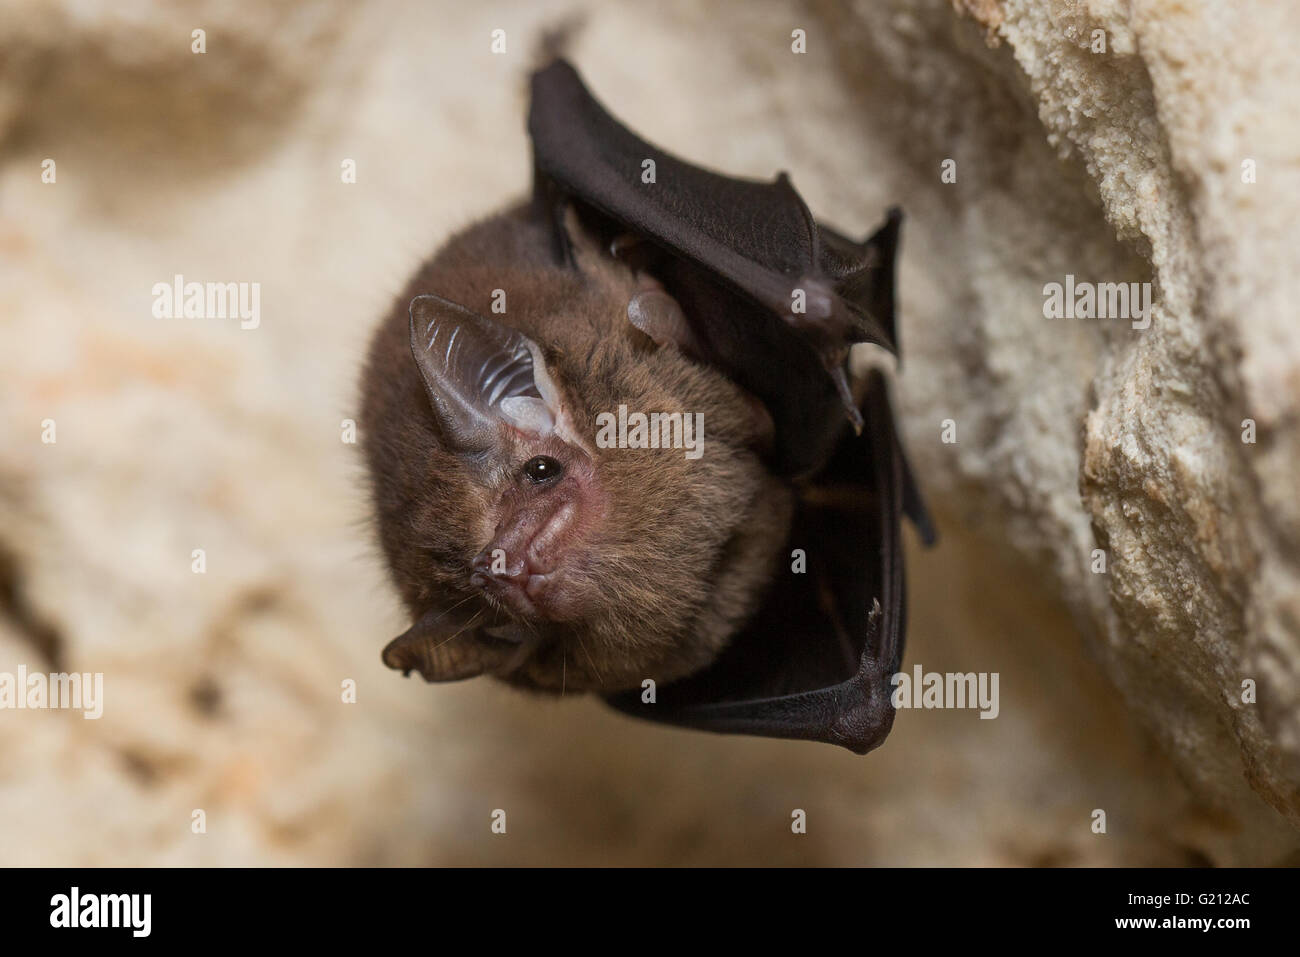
[815, 663]
[785, 297]
[816, 660]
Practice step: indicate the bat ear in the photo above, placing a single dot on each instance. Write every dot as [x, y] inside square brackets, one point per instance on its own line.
[479, 373]
[441, 648]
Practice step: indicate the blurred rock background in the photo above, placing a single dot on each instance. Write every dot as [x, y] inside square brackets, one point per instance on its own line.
[222, 690]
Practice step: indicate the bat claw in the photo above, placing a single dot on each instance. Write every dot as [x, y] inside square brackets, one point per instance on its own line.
[841, 380]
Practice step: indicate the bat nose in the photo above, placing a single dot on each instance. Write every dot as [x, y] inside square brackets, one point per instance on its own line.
[497, 564]
[505, 577]
[520, 567]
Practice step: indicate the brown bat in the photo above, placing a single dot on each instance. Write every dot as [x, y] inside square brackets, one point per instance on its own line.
[609, 450]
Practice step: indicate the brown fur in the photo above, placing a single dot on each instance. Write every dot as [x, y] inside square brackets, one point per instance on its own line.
[686, 546]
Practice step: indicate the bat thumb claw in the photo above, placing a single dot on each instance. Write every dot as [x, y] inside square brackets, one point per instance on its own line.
[841, 380]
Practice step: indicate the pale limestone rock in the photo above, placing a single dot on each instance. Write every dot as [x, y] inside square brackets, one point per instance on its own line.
[1200, 529]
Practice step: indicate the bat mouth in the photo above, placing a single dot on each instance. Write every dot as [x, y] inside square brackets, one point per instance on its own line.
[528, 593]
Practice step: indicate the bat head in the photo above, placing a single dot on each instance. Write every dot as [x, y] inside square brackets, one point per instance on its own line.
[501, 413]
[534, 551]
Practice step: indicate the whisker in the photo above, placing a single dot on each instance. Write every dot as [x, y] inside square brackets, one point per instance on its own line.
[464, 628]
[451, 609]
[591, 661]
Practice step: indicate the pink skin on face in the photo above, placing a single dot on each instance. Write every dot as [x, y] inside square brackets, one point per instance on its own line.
[541, 533]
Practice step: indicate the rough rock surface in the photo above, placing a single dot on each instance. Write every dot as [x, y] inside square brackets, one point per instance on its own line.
[1120, 691]
[1156, 118]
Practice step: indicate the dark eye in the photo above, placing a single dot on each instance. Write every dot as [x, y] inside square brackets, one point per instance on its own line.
[542, 468]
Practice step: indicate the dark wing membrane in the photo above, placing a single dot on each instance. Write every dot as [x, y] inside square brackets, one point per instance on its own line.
[757, 237]
[863, 273]
[747, 256]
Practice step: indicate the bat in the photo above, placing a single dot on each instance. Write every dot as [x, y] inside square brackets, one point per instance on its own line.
[736, 565]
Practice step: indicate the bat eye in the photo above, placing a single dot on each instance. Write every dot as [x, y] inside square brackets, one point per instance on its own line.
[542, 468]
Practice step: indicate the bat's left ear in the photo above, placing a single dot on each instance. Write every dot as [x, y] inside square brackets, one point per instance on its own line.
[479, 374]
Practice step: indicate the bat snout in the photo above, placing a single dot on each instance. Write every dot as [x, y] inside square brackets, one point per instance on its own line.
[523, 566]
[515, 580]
[496, 563]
